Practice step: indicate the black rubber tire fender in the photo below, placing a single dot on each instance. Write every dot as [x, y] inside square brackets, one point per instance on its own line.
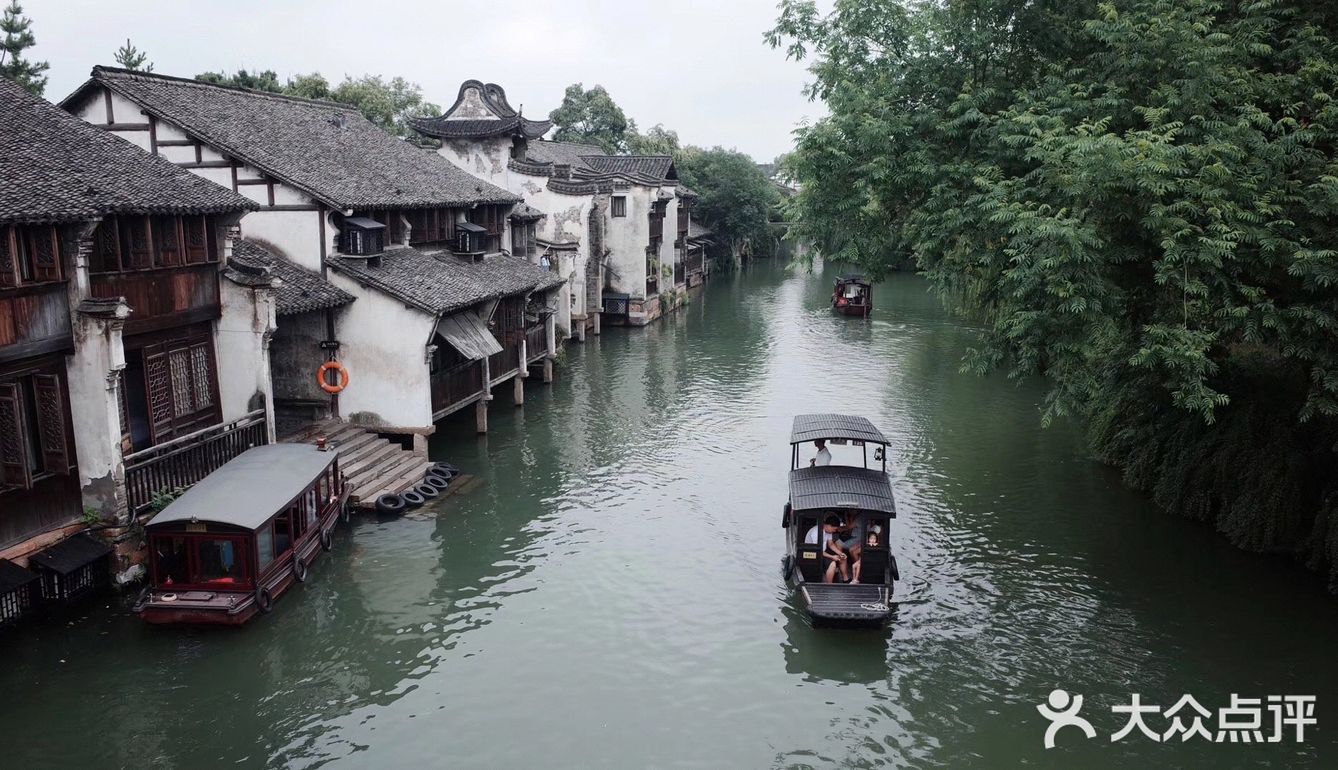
[327, 540]
[787, 567]
[299, 569]
[346, 512]
[785, 517]
[436, 482]
[450, 468]
[391, 504]
[428, 491]
[412, 499]
[438, 473]
[892, 567]
[264, 600]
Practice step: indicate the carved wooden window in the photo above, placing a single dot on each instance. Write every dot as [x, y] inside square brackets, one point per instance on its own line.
[33, 433]
[181, 387]
[167, 242]
[29, 254]
[139, 243]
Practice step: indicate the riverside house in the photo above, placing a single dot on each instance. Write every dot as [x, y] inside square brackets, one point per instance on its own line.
[394, 263]
[117, 303]
[602, 216]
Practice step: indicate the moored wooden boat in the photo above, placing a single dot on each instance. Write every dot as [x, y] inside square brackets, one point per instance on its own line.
[240, 538]
[837, 524]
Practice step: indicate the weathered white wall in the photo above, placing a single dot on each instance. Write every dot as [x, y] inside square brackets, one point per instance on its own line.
[484, 158]
[242, 346]
[627, 238]
[91, 374]
[292, 234]
[384, 347]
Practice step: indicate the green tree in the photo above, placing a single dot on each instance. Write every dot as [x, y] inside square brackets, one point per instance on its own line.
[312, 86]
[264, 80]
[591, 116]
[18, 37]
[1137, 200]
[131, 58]
[389, 104]
[735, 196]
[657, 140]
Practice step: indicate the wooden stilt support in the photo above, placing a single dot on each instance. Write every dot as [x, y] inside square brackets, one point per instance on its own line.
[518, 390]
[548, 371]
[481, 415]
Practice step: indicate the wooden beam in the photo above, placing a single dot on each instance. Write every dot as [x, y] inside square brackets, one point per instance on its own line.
[252, 181]
[199, 152]
[124, 126]
[153, 135]
[233, 164]
[207, 164]
[270, 189]
[176, 143]
[106, 100]
[291, 207]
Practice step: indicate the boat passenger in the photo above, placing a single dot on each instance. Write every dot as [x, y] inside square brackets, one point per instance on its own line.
[851, 543]
[829, 527]
[824, 456]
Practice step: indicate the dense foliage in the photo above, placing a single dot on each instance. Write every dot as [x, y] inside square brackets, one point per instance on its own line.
[18, 37]
[387, 103]
[1136, 198]
[591, 116]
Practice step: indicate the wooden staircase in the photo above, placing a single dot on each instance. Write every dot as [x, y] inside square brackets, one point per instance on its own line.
[374, 466]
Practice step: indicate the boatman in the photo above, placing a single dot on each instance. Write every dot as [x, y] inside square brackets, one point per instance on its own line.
[824, 456]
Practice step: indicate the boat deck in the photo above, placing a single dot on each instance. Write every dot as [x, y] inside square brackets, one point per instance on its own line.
[843, 603]
[374, 466]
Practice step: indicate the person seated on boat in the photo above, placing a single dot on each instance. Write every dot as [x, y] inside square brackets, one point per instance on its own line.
[851, 542]
[826, 533]
[824, 456]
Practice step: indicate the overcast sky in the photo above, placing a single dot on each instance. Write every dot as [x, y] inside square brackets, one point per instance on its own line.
[699, 67]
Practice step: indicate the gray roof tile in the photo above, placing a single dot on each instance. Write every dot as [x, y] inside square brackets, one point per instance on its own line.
[57, 168]
[300, 290]
[440, 282]
[326, 149]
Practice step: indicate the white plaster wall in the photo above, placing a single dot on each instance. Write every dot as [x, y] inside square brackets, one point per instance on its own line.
[383, 344]
[91, 374]
[172, 133]
[484, 158]
[627, 238]
[293, 234]
[177, 154]
[242, 345]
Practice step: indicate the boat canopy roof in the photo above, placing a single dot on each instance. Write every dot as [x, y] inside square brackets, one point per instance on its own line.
[853, 278]
[838, 486]
[811, 427]
[250, 488]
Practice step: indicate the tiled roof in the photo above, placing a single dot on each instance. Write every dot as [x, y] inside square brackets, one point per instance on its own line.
[489, 114]
[569, 153]
[440, 282]
[443, 128]
[57, 168]
[651, 167]
[696, 230]
[526, 211]
[684, 191]
[301, 290]
[327, 150]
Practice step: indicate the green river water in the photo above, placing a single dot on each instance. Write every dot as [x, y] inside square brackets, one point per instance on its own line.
[609, 595]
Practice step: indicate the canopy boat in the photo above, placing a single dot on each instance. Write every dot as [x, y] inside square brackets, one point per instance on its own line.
[837, 522]
[853, 295]
[242, 536]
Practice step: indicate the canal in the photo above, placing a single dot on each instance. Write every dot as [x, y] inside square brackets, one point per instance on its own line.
[609, 593]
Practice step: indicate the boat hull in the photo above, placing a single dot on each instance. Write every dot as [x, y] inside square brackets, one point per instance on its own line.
[853, 310]
[839, 605]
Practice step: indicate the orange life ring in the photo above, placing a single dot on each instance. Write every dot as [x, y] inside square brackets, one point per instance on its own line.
[325, 383]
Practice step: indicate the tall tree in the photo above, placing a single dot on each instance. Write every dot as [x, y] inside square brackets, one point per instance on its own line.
[591, 116]
[131, 58]
[735, 196]
[312, 86]
[263, 80]
[387, 103]
[657, 140]
[18, 37]
[1136, 198]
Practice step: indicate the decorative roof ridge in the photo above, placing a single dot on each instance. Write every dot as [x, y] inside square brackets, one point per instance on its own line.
[101, 69]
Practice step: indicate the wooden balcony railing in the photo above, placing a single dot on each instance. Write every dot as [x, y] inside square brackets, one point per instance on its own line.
[536, 342]
[508, 361]
[183, 461]
[455, 386]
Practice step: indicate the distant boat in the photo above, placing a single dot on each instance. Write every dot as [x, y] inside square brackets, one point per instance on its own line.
[853, 295]
[850, 505]
[242, 536]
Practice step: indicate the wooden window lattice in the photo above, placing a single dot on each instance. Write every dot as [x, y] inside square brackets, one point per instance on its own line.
[8, 273]
[14, 468]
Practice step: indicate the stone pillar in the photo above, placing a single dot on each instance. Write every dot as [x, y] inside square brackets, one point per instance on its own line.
[420, 445]
[93, 374]
[595, 330]
[548, 371]
[518, 382]
[481, 415]
[550, 327]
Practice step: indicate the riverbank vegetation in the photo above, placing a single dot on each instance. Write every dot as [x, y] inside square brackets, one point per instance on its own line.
[735, 197]
[1136, 199]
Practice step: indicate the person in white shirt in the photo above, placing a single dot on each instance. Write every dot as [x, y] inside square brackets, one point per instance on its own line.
[828, 529]
[824, 456]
